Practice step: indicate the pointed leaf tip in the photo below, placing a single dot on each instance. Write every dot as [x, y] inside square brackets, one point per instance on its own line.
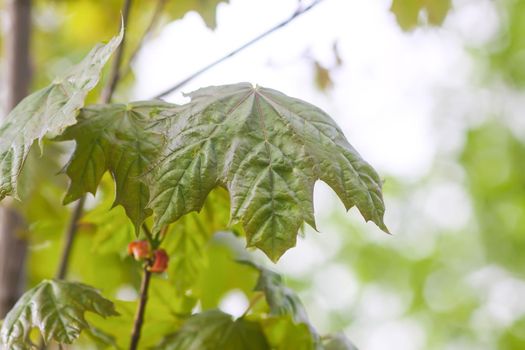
[47, 112]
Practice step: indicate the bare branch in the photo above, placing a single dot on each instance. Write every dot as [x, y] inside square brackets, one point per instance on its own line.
[141, 309]
[106, 96]
[114, 76]
[69, 237]
[299, 12]
[151, 27]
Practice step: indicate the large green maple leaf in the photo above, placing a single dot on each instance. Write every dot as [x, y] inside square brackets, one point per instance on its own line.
[47, 112]
[119, 138]
[268, 150]
[57, 309]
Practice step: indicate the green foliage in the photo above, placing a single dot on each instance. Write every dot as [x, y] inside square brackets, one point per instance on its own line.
[408, 12]
[215, 330]
[57, 309]
[498, 192]
[205, 8]
[47, 112]
[187, 239]
[281, 299]
[283, 333]
[268, 149]
[286, 325]
[117, 138]
[507, 54]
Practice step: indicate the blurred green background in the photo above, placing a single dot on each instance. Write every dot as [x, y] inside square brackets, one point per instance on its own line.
[432, 94]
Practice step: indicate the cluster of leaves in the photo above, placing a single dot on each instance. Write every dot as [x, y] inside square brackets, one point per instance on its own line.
[265, 148]
[281, 324]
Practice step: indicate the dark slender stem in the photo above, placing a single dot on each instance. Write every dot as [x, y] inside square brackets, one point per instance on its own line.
[183, 82]
[114, 77]
[151, 26]
[139, 315]
[69, 238]
[106, 96]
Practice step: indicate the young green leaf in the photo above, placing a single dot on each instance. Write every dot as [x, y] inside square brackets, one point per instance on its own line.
[47, 112]
[288, 322]
[268, 150]
[281, 299]
[215, 330]
[118, 138]
[57, 309]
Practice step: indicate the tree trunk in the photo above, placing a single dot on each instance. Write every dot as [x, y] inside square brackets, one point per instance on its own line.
[13, 248]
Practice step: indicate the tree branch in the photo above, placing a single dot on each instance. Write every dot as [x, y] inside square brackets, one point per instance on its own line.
[114, 77]
[106, 96]
[183, 82]
[141, 309]
[69, 237]
[151, 26]
[15, 83]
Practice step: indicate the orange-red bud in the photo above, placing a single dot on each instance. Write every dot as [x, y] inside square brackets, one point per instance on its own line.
[160, 262]
[139, 249]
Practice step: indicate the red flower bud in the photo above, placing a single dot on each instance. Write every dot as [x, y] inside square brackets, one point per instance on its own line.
[160, 262]
[139, 249]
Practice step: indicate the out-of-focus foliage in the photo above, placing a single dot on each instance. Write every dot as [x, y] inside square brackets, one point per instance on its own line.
[187, 239]
[494, 162]
[215, 330]
[409, 13]
[508, 51]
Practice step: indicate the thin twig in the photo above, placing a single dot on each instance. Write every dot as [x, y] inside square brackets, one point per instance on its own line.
[151, 27]
[79, 206]
[255, 299]
[139, 316]
[114, 77]
[69, 237]
[183, 82]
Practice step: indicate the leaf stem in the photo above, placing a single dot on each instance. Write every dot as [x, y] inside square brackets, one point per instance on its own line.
[69, 238]
[147, 233]
[299, 12]
[139, 315]
[255, 299]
